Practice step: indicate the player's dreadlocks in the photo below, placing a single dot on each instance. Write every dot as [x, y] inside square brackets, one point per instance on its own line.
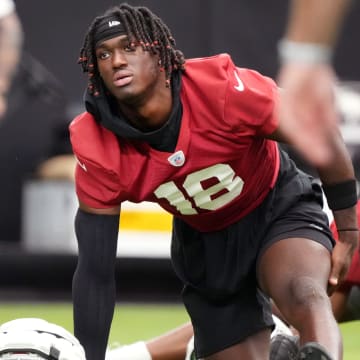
[142, 27]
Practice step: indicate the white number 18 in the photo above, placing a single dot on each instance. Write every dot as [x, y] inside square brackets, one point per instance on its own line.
[203, 198]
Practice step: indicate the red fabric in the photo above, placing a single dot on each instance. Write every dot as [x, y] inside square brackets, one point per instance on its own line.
[226, 111]
[353, 276]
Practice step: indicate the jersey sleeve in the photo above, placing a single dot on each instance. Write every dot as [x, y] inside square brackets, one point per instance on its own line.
[251, 100]
[96, 178]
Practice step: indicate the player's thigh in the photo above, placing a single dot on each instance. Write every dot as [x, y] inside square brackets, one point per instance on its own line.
[290, 264]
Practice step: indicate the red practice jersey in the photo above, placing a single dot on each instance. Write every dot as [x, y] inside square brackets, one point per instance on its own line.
[222, 167]
[353, 276]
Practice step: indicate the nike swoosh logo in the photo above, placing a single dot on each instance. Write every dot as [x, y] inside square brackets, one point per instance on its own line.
[240, 85]
[82, 165]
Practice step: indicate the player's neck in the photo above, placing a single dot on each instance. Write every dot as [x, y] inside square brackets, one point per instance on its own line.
[150, 114]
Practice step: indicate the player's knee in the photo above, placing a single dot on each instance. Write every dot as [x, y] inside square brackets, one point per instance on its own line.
[305, 292]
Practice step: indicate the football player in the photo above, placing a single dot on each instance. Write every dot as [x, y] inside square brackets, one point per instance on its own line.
[199, 137]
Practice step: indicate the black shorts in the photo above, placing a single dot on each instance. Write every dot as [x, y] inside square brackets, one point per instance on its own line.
[218, 268]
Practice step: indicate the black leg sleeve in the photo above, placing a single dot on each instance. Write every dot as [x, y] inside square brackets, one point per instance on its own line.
[93, 287]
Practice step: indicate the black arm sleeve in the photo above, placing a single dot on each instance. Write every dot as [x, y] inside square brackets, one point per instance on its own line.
[93, 287]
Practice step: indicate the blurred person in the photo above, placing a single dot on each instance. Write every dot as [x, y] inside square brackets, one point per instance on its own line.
[307, 74]
[31, 109]
[34, 129]
[199, 137]
[11, 40]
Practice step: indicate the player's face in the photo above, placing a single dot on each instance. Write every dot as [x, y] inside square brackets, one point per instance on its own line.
[131, 75]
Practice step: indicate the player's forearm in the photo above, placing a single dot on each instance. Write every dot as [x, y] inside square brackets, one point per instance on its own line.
[11, 40]
[94, 287]
[339, 185]
[340, 167]
[316, 21]
[347, 224]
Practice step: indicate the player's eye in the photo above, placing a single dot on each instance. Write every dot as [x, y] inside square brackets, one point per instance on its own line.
[102, 55]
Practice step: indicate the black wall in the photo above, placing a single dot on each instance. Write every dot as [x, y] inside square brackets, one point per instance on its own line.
[247, 29]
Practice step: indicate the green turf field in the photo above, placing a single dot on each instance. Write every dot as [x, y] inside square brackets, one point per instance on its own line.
[131, 322]
[134, 322]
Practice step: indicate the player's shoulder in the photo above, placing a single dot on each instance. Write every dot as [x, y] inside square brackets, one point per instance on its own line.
[83, 121]
[213, 69]
[207, 78]
[214, 60]
[84, 128]
[212, 65]
[89, 139]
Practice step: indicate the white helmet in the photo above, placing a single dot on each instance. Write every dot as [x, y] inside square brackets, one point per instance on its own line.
[35, 339]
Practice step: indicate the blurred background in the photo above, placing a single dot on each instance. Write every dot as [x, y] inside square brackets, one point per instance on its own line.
[37, 243]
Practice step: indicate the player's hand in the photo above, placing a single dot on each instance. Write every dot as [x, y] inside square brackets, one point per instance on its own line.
[341, 258]
[308, 109]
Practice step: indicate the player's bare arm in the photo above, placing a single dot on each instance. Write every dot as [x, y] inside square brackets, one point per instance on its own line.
[306, 71]
[316, 21]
